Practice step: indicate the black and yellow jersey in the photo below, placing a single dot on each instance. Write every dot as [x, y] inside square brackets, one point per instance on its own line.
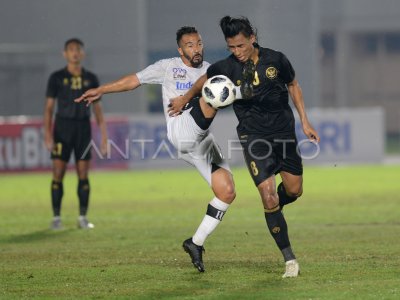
[65, 87]
[267, 113]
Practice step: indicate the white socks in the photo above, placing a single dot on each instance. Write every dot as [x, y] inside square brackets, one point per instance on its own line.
[215, 211]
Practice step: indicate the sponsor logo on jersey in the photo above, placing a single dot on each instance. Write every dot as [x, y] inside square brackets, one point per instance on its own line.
[271, 72]
[183, 85]
[86, 83]
[179, 73]
[65, 81]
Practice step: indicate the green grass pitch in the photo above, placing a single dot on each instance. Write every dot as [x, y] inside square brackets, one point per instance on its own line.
[345, 231]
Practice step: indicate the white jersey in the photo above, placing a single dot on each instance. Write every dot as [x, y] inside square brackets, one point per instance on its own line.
[195, 145]
[175, 77]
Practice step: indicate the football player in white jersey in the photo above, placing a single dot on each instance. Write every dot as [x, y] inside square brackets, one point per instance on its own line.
[188, 131]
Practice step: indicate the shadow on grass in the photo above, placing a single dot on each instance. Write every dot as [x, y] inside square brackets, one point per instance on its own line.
[36, 236]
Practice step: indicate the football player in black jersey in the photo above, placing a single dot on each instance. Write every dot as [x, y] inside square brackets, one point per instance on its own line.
[72, 131]
[266, 126]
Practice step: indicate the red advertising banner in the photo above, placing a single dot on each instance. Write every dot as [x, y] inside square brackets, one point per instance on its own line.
[22, 148]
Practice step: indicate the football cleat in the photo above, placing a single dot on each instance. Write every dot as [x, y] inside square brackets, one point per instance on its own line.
[56, 224]
[83, 223]
[248, 73]
[292, 269]
[195, 252]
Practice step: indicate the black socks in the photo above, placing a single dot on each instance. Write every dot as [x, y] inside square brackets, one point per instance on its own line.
[278, 228]
[57, 192]
[83, 194]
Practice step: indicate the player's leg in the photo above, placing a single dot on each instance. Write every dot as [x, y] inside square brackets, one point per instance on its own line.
[263, 162]
[275, 220]
[216, 209]
[60, 156]
[57, 191]
[277, 225]
[202, 113]
[222, 184]
[224, 191]
[290, 188]
[291, 172]
[208, 111]
[215, 170]
[82, 158]
[82, 169]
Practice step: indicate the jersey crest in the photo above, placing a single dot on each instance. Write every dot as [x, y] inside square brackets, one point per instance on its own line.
[271, 72]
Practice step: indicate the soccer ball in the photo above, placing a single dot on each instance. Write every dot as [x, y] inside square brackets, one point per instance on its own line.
[219, 91]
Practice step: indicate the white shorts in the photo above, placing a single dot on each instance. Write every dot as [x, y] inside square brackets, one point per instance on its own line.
[195, 145]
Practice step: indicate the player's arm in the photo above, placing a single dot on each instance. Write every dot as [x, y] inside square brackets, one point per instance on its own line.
[99, 116]
[126, 83]
[177, 103]
[297, 97]
[47, 122]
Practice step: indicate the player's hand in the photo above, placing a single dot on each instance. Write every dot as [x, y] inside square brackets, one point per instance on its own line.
[176, 105]
[103, 146]
[310, 132]
[48, 142]
[90, 96]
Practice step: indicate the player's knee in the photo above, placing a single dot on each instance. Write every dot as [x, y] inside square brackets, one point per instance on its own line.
[294, 191]
[268, 194]
[58, 174]
[230, 193]
[271, 200]
[83, 175]
[226, 193]
[223, 185]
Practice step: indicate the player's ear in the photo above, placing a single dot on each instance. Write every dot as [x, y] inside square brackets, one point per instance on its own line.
[180, 51]
[253, 38]
[64, 54]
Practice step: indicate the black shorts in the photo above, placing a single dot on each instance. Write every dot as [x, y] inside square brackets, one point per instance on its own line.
[71, 135]
[268, 156]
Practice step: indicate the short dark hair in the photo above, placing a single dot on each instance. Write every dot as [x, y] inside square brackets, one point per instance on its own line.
[233, 26]
[73, 40]
[184, 30]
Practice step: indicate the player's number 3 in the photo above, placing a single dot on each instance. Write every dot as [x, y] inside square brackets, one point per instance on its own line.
[256, 80]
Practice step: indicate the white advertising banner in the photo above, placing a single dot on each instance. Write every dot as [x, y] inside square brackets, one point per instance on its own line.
[347, 136]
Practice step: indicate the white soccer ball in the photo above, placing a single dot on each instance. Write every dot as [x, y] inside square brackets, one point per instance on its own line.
[219, 91]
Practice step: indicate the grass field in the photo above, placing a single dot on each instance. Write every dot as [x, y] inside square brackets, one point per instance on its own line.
[345, 231]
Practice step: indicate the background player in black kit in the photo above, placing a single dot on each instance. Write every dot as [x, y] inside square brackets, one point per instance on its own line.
[72, 131]
[266, 126]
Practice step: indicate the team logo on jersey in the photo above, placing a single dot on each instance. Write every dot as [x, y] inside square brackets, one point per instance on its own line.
[65, 81]
[271, 72]
[86, 83]
[238, 82]
[179, 73]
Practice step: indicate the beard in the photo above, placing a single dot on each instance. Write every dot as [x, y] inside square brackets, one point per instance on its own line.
[195, 61]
